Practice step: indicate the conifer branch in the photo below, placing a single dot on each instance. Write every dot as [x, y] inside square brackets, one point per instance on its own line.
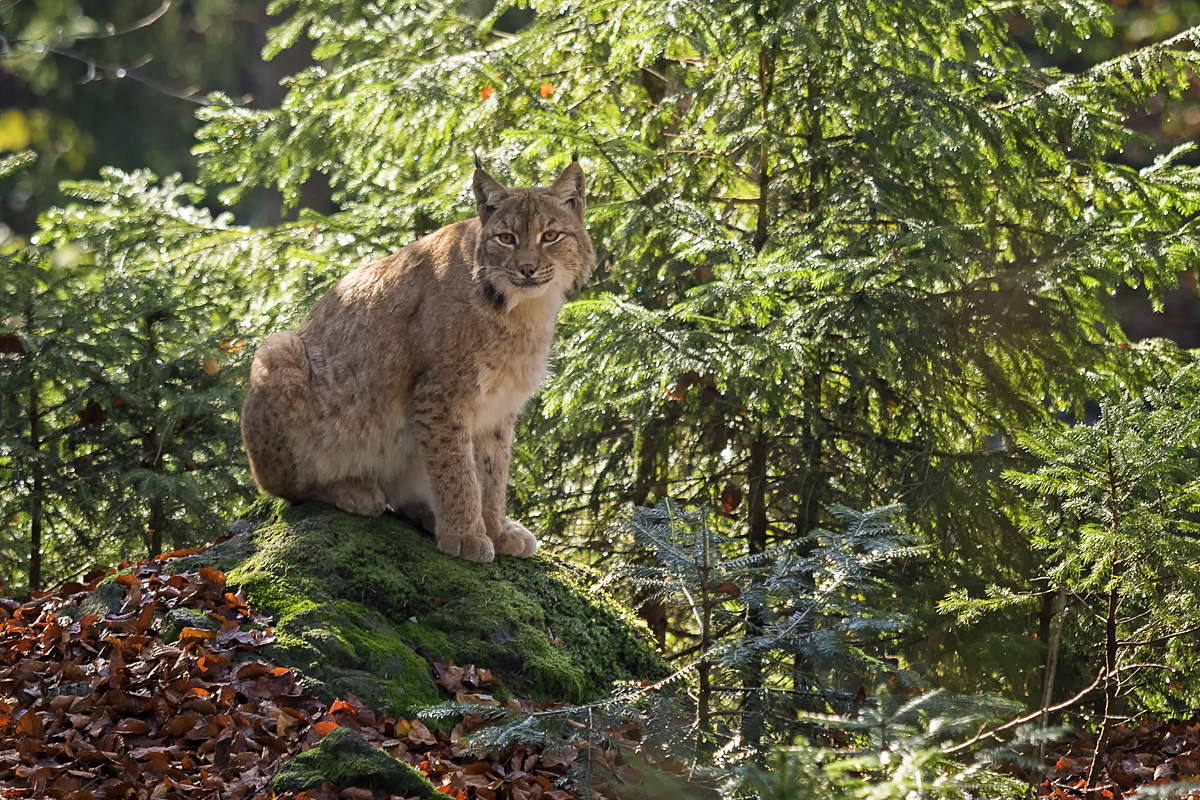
[992, 734]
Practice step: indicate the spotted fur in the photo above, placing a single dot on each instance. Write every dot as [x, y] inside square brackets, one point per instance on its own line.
[402, 387]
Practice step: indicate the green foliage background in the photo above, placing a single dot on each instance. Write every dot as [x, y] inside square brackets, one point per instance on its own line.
[851, 253]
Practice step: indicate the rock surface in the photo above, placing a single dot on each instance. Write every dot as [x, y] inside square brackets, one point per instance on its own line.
[346, 759]
[366, 606]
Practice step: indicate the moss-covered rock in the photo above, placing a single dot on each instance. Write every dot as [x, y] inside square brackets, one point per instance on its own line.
[366, 605]
[346, 759]
[179, 618]
[106, 599]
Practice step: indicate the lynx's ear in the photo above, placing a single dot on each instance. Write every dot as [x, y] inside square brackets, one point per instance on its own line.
[570, 188]
[488, 193]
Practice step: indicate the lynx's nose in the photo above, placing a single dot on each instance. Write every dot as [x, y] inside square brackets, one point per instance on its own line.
[527, 270]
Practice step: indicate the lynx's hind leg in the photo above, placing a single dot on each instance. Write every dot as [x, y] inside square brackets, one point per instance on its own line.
[362, 497]
[278, 409]
[278, 403]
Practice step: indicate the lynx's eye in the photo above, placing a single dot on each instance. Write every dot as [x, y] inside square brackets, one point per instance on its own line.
[506, 238]
[550, 237]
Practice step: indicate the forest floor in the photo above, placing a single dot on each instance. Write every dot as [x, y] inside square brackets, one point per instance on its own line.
[1148, 753]
[98, 705]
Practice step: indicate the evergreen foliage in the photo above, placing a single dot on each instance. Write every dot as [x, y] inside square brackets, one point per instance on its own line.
[805, 628]
[776, 632]
[851, 252]
[850, 249]
[119, 430]
[896, 751]
[1113, 514]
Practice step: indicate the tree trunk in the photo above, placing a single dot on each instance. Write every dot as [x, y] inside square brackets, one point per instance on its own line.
[35, 500]
[1110, 688]
[152, 456]
[704, 670]
[766, 86]
[1053, 642]
[35, 445]
[752, 701]
[756, 486]
[1110, 631]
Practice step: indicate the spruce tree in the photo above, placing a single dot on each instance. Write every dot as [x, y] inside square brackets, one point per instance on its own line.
[848, 248]
[1114, 515]
[119, 431]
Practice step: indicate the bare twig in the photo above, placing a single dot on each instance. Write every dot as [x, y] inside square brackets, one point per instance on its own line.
[95, 68]
[1028, 717]
[1159, 640]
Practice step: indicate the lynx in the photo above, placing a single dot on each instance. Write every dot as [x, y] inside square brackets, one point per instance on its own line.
[402, 387]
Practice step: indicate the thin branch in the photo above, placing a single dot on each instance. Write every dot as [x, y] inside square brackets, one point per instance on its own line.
[94, 67]
[119, 71]
[699, 645]
[1028, 717]
[1192, 34]
[1159, 640]
[144, 22]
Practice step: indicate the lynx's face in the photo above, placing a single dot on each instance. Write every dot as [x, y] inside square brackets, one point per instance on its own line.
[532, 241]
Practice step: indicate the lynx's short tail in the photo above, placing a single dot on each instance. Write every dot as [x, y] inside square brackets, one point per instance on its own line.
[278, 403]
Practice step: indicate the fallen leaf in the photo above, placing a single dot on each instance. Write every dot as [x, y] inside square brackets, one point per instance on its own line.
[188, 635]
[131, 726]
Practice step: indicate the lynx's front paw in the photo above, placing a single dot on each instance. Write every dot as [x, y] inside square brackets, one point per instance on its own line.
[473, 545]
[515, 540]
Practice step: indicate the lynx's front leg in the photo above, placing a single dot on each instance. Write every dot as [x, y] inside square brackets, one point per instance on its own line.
[448, 453]
[493, 452]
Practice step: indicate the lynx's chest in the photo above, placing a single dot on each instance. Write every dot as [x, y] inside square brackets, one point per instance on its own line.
[508, 376]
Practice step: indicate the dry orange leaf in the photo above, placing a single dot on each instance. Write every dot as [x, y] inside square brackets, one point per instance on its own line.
[487, 92]
[211, 575]
[284, 723]
[30, 725]
[145, 617]
[546, 90]
[419, 734]
[254, 669]
[196, 635]
[181, 724]
[340, 706]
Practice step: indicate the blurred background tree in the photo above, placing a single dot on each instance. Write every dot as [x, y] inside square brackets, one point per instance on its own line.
[94, 83]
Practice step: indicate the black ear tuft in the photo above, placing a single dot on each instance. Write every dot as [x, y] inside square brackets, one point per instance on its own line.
[478, 162]
[488, 191]
[570, 188]
[575, 154]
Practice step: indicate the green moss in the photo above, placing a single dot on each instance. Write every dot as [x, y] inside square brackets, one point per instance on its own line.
[431, 644]
[365, 605]
[347, 760]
